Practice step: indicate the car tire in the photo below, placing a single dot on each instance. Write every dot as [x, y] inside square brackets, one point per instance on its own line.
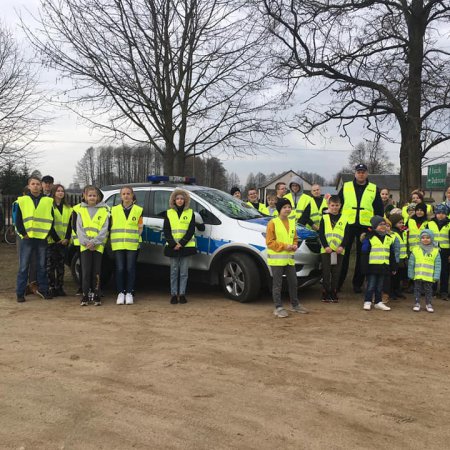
[240, 277]
[75, 269]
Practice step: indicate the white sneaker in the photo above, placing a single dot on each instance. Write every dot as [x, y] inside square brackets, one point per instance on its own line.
[280, 312]
[416, 307]
[367, 306]
[129, 299]
[120, 299]
[429, 308]
[382, 306]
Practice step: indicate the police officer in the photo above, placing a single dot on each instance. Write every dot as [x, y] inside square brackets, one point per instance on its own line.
[361, 201]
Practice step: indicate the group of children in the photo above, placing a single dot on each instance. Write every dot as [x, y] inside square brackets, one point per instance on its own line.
[45, 224]
[395, 253]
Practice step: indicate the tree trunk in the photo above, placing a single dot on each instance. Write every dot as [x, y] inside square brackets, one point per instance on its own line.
[410, 167]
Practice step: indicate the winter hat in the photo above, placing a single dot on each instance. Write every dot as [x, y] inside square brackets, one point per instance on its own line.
[411, 207]
[376, 220]
[395, 211]
[395, 219]
[234, 189]
[441, 209]
[421, 206]
[281, 203]
[429, 232]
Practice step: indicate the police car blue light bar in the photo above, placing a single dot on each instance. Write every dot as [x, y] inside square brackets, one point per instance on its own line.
[170, 179]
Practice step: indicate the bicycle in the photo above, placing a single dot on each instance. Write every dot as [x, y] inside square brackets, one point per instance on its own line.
[10, 234]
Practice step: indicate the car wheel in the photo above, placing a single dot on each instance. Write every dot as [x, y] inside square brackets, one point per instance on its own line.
[75, 268]
[240, 278]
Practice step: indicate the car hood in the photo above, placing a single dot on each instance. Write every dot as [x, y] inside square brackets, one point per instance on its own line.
[260, 225]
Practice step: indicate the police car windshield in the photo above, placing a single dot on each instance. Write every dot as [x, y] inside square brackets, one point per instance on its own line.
[228, 205]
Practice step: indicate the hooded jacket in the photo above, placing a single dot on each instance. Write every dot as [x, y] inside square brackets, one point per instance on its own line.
[305, 218]
[378, 269]
[102, 234]
[425, 249]
[171, 243]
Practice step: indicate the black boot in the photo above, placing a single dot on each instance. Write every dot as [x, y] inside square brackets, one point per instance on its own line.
[183, 299]
[173, 300]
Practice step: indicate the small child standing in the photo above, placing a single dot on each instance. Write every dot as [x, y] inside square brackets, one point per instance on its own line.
[272, 205]
[399, 233]
[440, 226]
[92, 232]
[424, 268]
[416, 223]
[281, 241]
[377, 260]
[333, 237]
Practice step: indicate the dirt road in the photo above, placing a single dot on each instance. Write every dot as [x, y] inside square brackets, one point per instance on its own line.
[214, 374]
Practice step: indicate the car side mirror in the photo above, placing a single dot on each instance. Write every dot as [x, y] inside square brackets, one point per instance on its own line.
[199, 222]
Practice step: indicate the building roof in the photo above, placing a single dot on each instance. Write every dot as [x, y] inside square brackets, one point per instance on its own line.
[271, 181]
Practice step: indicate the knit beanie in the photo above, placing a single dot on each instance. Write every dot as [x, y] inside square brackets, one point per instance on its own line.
[441, 209]
[395, 211]
[281, 202]
[395, 219]
[421, 206]
[376, 220]
[234, 189]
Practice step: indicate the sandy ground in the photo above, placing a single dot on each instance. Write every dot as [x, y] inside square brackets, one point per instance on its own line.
[215, 374]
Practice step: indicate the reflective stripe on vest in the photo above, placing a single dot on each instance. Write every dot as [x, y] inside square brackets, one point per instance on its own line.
[261, 208]
[283, 258]
[37, 221]
[441, 236]
[317, 213]
[334, 236]
[61, 222]
[414, 232]
[180, 225]
[125, 232]
[424, 263]
[301, 205]
[92, 226]
[350, 206]
[75, 239]
[380, 251]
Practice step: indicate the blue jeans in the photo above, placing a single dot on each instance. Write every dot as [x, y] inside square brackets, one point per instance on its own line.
[28, 247]
[179, 266]
[374, 286]
[125, 270]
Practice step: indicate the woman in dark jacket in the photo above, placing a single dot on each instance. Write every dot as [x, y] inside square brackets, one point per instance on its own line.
[179, 229]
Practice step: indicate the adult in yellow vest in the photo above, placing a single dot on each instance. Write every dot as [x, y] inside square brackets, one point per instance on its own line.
[125, 235]
[378, 261]
[301, 208]
[282, 242]
[318, 205]
[253, 200]
[56, 250]
[440, 226]
[92, 232]
[179, 230]
[360, 201]
[424, 268]
[34, 223]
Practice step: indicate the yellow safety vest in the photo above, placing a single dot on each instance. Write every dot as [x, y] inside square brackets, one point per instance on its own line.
[334, 236]
[93, 226]
[75, 239]
[37, 221]
[317, 213]
[380, 251]
[180, 225]
[61, 222]
[261, 208]
[441, 236]
[285, 257]
[124, 233]
[401, 236]
[350, 206]
[424, 264]
[414, 232]
[300, 207]
[274, 213]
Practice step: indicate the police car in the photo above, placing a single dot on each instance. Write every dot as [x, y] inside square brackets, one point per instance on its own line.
[230, 237]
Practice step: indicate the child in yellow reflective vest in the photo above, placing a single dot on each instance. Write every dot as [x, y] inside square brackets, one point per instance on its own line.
[272, 205]
[377, 260]
[400, 234]
[282, 241]
[424, 268]
[92, 232]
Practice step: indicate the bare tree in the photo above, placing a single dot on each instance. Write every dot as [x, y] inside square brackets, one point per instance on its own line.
[21, 101]
[385, 62]
[184, 76]
[373, 155]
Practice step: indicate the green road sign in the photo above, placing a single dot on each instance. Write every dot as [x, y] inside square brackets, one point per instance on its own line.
[437, 176]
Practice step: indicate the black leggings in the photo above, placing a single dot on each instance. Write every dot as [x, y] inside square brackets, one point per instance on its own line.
[91, 266]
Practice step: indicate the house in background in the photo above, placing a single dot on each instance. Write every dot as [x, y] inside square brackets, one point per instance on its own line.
[392, 182]
[269, 186]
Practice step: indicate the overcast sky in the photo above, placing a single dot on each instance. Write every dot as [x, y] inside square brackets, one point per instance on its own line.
[63, 142]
